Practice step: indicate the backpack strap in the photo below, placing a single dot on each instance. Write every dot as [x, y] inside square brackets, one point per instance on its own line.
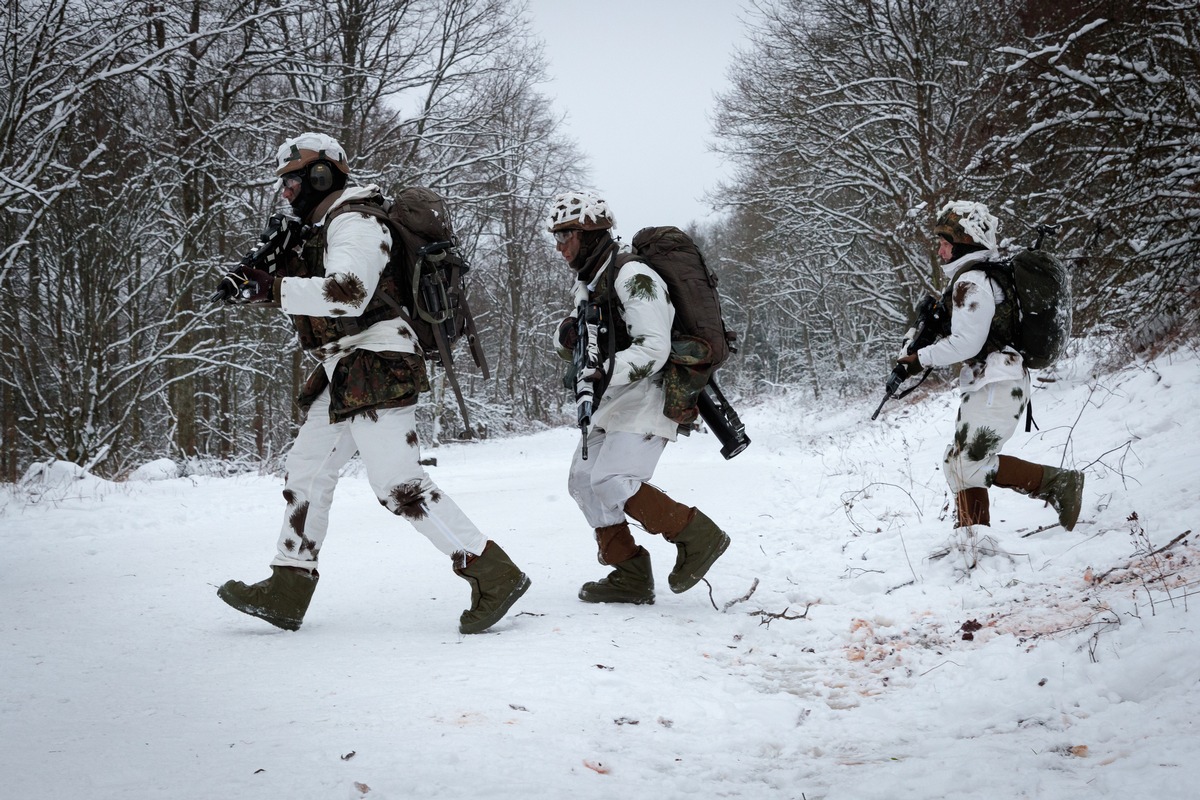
[606, 288]
[376, 210]
[1003, 330]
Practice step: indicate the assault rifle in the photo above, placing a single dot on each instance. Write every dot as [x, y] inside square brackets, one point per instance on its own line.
[722, 420]
[282, 231]
[589, 324]
[931, 324]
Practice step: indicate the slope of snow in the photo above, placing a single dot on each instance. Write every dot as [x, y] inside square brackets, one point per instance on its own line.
[827, 660]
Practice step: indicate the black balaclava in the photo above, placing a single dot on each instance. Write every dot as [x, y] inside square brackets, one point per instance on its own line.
[594, 247]
[309, 198]
[960, 249]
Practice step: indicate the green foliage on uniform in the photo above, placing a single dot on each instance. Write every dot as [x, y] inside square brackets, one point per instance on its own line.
[641, 286]
[984, 443]
[639, 372]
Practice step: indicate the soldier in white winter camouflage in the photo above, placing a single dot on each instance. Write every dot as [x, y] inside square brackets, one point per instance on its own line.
[612, 466]
[361, 397]
[994, 382]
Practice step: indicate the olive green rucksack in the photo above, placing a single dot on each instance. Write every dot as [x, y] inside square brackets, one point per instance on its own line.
[700, 342]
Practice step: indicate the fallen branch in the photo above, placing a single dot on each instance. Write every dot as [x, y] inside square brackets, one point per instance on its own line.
[741, 599]
[1172, 543]
[1039, 529]
[767, 616]
[1082, 626]
[1130, 564]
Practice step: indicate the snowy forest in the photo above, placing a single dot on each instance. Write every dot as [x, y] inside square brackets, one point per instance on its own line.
[136, 170]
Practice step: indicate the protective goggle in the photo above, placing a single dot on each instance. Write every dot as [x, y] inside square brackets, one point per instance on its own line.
[562, 237]
[292, 179]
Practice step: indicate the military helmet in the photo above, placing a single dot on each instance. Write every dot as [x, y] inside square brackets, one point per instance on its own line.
[583, 211]
[297, 153]
[967, 222]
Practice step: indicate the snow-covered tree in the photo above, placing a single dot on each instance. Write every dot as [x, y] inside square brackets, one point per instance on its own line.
[1104, 139]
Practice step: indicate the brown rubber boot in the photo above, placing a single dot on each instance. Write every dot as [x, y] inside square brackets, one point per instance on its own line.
[697, 539]
[631, 581]
[973, 508]
[281, 599]
[1020, 476]
[1061, 488]
[496, 583]
[614, 544]
[658, 513]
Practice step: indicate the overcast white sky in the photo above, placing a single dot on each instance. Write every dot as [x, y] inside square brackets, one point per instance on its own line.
[637, 80]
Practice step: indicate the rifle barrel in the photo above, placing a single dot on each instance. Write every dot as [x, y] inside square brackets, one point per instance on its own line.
[887, 395]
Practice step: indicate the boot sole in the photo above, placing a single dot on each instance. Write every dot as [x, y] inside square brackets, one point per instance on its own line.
[681, 584]
[479, 626]
[261, 613]
[629, 601]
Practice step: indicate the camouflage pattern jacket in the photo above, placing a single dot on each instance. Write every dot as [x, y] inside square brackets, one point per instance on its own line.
[975, 300]
[633, 401]
[340, 270]
[335, 277]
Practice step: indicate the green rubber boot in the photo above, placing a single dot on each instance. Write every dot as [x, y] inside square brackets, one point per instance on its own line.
[699, 545]
[631, 581]
[1063, 489]
[281, 599]
[496, 584]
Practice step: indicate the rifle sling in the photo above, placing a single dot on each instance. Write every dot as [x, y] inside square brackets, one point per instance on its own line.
[444, 349]
[611, 291]
[910, 389]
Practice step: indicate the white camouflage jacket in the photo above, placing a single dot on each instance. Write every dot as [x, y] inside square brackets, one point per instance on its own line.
[974, 297]
[358, 247]
[633, 401]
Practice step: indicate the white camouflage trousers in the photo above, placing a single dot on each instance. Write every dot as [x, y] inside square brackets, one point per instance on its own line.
[987, 418]
[391, 455]
[618, 464]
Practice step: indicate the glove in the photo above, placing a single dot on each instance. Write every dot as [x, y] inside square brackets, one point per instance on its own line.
[247, 285]
[912, 362]
[568, 333]
[596, 376]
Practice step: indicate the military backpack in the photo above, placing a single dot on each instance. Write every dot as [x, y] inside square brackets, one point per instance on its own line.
[700, 341]
[1039, 287]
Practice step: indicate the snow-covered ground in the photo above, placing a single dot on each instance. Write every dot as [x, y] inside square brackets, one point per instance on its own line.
[830, 659]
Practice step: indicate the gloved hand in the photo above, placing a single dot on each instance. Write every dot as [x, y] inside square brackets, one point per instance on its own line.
[247, 285]
[596, 376]
[911, 361]
[568, 332]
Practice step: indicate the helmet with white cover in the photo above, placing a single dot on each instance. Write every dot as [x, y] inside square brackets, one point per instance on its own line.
[582, 210]
[967, 222]
[318, 163]
[297, 153]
